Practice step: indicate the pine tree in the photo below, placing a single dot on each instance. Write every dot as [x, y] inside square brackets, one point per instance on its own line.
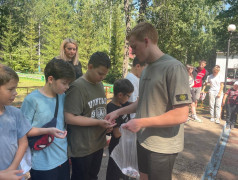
[57, 26]
[28, 50]
[185, 28]
[117, 42]
[9, 43]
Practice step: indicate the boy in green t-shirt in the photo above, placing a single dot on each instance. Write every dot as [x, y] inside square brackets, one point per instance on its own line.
[85, 109]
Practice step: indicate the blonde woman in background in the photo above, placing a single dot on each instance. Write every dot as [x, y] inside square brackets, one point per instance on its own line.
[215, 93]
[69, 53]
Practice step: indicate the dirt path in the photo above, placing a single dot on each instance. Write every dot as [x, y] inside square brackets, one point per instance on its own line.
[200, 141]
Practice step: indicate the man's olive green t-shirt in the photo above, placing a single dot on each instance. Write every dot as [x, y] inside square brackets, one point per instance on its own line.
[85, 99]
[163, 84]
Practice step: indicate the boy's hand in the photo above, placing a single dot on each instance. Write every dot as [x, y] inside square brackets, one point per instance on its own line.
[57, 133]
[111, 117]
[11, 175]
[106, 124]
[109, 130]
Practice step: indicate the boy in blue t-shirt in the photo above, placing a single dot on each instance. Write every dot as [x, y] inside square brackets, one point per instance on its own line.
[13, 126]
[122, 90]
[50, 163]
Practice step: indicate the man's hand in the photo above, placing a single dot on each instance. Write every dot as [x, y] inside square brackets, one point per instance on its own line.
[133, 125]
[11, 175]
[57, 133]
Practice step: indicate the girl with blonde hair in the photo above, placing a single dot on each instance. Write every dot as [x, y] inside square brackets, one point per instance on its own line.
[69, 53]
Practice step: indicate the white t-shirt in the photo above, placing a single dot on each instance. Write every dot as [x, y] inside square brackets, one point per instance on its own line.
[215, 82]
[135, 81]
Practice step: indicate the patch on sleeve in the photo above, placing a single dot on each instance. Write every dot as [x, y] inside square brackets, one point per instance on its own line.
[181, 97]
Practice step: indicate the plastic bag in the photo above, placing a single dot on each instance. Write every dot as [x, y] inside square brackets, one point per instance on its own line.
[26, 161]
[125, 154]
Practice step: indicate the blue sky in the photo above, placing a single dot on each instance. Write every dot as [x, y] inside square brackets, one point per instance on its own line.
[227, 6]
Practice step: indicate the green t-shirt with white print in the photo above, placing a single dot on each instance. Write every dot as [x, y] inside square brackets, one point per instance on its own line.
[85, 99]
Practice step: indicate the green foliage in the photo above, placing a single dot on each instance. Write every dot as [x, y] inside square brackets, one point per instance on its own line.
[8, 42]
[226, 17]
[86, 31]
[56, 26]
[117, 42]
[189, 30]
[186, 28]
[28, 51]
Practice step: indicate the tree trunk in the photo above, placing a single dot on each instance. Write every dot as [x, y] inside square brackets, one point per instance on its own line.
[126, 45]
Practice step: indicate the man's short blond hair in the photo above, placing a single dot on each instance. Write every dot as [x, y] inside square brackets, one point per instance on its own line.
[142, 30]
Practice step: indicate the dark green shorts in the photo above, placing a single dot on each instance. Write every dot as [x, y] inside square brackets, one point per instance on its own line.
[158, 166]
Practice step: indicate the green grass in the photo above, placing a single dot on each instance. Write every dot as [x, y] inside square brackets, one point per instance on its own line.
[26, 86]
[25, 82]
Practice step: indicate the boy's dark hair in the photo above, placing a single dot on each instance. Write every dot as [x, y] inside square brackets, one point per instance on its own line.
[59, 69]
[100, 59]
[136, 61]
[123, 86]
[7, 74]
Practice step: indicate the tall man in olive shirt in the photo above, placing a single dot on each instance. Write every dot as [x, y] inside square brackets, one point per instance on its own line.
[162, 108]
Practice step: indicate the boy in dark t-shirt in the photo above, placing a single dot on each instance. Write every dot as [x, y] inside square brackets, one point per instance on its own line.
[122, 89]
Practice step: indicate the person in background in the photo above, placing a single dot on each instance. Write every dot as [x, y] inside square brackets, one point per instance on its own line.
[69, 53]
[231, 105]
[190, 69]
[215, 93]
[200, 75]
[162, 106]
[134, 78]
[50, 163]
[122, 90]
